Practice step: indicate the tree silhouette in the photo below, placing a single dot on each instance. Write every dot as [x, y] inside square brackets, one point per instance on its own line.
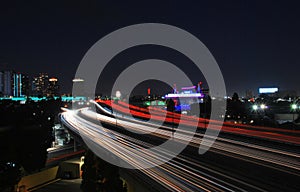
[170, 105]
[235, 97]
[100, 176]
[27, 135]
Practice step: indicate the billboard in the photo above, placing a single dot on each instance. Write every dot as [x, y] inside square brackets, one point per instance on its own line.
[268, 90]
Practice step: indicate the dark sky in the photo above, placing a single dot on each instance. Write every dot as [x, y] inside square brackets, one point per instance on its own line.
[256, 43]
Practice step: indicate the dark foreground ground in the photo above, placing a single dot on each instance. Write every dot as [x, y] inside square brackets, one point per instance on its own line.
[62, 186]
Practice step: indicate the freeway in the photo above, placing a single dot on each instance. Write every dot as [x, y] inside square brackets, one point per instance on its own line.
[230, 165]
[276, 134]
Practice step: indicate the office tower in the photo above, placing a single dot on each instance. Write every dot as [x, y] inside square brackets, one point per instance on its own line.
[53, 87]
[40, 85]
[1, 84]
[7, 83]
[78, 86]
[20, 85]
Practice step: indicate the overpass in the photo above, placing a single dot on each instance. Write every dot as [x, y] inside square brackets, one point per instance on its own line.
[243, 158]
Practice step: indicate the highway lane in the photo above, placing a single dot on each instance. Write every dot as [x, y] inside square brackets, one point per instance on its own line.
[158, 115]
[123, 147]
[240, 148]
[279, 158]
[166, 175]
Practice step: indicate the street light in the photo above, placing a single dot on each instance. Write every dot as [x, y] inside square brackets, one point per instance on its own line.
[263, 106]
[118, 96]
[254, 107]
[294, 107]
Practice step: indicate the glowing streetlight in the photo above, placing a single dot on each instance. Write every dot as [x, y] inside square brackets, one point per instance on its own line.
[294, 106]
[294, 109]
[263, 106]
[254, 107]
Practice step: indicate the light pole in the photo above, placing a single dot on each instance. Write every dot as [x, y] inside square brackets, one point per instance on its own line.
[118, 97]
[294, 109]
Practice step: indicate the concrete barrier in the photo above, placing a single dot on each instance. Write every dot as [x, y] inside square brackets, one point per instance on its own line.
[70, 169]
[34, 181]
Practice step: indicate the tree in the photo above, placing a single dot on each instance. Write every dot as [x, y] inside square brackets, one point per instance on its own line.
[100, 176]
[24, 141]
[235, 108]
[235, 97]
[170, 105]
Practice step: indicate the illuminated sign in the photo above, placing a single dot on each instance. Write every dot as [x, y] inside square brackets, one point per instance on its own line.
[173, 95]
[188, 88]
[268, 90]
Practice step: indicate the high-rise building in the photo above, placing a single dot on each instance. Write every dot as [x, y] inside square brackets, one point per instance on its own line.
[40, 85]
[53, 87]
[20, 85]
[1, 84]
[7, 83]
[78, 86]
[13, 84]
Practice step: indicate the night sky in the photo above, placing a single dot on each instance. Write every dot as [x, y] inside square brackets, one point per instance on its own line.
[256, 43]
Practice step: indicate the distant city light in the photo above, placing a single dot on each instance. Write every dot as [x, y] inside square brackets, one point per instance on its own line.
[77, 80]
[53, 79]
[256, 107]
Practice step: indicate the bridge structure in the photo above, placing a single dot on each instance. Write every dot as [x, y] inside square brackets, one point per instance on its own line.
[243, 158]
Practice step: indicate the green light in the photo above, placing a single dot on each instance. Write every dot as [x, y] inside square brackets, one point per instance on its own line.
[63, 98]
[294, 106]
[254, 107]
[161, 103]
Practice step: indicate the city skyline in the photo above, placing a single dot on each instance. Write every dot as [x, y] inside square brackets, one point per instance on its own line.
[18, 84]
[53, 88]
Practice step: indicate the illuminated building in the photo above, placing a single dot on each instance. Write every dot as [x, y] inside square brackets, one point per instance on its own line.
[7, 83]
[187, 96]
[13, 84]
[53, 87]
[1, 83]
[40, 85]
[20, 85]
[187, 92]
[78, 86]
